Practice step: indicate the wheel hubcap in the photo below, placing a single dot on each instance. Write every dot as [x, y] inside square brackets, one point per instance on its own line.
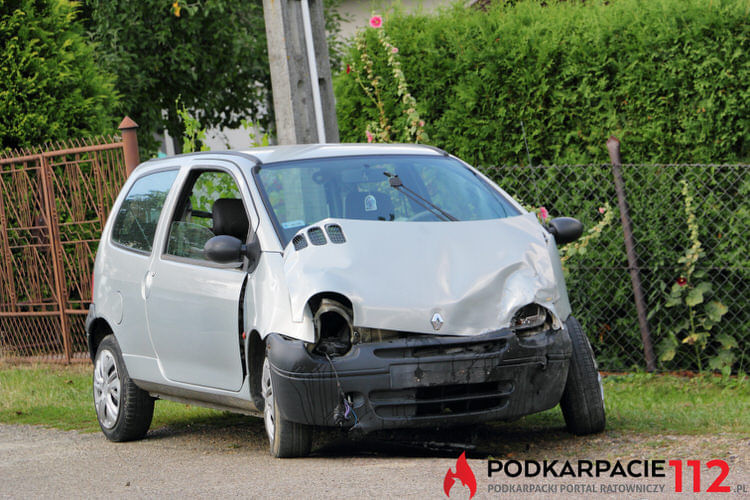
[106, 389]
[268, 404]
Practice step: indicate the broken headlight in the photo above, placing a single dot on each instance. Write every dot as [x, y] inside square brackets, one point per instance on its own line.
[531, 319]
[333, 328]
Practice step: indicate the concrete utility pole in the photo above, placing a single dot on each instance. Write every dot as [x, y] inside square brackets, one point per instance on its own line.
[300, 72]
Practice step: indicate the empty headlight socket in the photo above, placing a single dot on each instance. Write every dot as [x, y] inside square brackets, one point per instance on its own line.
[333, 328]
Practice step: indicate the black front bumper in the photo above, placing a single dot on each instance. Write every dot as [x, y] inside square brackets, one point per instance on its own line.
[422, 380]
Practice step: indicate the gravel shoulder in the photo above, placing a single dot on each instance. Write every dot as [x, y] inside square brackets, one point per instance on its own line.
[233, 461]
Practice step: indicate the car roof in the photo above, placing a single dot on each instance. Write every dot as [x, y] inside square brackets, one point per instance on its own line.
[274, 154]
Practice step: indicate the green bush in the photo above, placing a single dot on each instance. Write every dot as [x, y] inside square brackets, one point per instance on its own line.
[50, 85]
[668, 77]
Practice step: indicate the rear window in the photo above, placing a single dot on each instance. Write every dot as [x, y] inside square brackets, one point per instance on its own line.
[135, 225]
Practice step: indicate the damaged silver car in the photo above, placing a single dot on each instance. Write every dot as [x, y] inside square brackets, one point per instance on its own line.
[364, 287]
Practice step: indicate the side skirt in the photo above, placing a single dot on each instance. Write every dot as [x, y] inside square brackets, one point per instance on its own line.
[186, 396]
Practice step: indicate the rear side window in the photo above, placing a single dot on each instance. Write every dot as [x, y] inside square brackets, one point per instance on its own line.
[135, 225]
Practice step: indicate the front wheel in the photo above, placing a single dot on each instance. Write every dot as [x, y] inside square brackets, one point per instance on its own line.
[123, 409]
[582, 401]
[287, 439]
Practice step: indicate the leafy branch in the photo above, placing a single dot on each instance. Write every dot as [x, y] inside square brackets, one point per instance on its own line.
[195, 136]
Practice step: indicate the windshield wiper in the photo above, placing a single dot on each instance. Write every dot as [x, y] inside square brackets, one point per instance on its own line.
[395, 182]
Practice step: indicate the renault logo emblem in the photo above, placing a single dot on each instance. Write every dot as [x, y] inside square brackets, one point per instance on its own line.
[437, 321]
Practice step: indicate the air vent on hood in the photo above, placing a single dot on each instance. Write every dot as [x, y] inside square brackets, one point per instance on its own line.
[299, 242]
[335, 233]
[316, 236]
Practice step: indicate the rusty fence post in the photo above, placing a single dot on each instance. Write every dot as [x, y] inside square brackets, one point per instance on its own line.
[613, 145]
[56, 253]
[129, 128]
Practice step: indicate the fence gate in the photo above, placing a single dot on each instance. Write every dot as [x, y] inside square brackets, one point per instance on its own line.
[53, 205]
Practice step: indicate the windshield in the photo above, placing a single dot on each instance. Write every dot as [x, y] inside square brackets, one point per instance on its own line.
[301, 193]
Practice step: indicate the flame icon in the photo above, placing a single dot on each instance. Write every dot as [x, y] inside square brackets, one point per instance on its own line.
[464, 474]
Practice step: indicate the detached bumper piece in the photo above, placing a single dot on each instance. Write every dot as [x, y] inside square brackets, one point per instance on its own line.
[421, 380]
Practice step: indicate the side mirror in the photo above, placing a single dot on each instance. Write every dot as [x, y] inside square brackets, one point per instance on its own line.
[225, 249]
[565, 229]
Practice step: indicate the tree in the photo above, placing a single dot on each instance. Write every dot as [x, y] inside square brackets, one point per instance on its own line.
[209, 55]
[50, 85]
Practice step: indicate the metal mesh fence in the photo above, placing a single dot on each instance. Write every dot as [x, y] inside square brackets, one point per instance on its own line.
[597, 272]
[53, 204]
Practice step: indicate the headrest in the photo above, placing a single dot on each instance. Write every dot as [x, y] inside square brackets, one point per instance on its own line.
[230, 218]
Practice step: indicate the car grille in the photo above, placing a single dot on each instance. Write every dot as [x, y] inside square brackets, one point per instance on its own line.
[453, 349]
[442, 400]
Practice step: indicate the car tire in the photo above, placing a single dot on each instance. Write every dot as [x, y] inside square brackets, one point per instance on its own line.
[124, 411]
[287, 439]
[582, 401]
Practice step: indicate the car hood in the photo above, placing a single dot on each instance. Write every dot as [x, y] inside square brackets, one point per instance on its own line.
[475, 274]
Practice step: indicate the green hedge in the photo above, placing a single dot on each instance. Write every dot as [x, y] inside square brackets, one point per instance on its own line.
[50, 85]
[668, 77]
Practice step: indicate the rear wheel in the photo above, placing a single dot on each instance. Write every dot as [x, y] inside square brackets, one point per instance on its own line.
[582, 401]
[123, 409]
[287, 439]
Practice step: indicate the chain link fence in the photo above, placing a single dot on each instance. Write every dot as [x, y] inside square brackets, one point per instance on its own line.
[682, 216]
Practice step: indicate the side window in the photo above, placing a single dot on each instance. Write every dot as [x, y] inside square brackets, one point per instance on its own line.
[135, 225]
[211, 205]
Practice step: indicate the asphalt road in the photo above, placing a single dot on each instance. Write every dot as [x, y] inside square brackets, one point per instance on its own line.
[215, 461]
